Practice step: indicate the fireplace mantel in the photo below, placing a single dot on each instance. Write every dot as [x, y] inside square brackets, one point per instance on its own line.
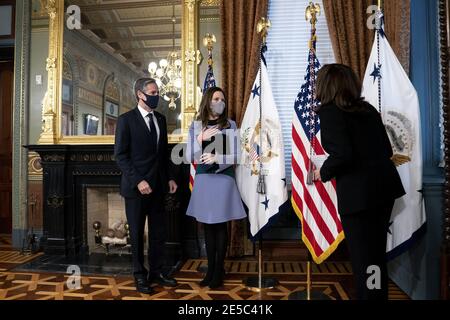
[68, 170]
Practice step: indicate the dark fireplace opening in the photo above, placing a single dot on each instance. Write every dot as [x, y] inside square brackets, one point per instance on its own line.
[105, 223]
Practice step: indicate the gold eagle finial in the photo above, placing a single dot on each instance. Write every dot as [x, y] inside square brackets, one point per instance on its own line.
[312, 11]
[209, 40]
[263, 28]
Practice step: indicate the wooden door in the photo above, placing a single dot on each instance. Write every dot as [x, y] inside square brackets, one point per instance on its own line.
[6, 98]
[110, 126]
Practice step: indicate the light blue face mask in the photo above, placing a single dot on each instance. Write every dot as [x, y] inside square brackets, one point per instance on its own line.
[217, 107]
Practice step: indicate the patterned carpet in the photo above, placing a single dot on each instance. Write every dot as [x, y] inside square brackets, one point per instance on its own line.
[332, 278]
[10, 258]
[32, 286]
[284, 267]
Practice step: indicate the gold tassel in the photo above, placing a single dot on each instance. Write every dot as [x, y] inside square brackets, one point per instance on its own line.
[310, 177]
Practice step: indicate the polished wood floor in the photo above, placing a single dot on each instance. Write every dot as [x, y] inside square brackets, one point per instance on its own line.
[333, 279]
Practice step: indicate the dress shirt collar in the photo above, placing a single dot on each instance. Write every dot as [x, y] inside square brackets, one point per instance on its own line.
[144, 112]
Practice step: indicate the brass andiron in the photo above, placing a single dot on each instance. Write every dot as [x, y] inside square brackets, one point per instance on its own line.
[110, 243]
[127, 229]
[97, 226]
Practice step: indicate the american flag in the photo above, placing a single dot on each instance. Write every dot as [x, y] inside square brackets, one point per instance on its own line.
[254, 152]
[315, 204]
[210, 81]
[192, 175]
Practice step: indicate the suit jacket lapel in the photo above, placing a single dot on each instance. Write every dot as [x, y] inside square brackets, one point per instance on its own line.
[141, 121]
[161, 128]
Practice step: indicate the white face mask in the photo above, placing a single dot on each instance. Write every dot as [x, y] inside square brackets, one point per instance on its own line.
[217, 107]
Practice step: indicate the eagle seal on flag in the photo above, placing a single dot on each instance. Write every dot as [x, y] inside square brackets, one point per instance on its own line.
[253, 152]
[400, 131]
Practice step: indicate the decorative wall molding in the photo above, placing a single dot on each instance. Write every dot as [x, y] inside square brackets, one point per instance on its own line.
[210, 3]
[20, 118]
[55, 201]
[34, 166]
[54, 158]
[92, 157]
[190, 70]
[39, 9]
[97, 173]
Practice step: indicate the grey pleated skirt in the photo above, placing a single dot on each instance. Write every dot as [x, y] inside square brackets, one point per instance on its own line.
[215, 198]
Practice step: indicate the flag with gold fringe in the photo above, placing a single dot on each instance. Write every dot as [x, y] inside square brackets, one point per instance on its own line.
[314, 202]
[260, 175]
[388, 88]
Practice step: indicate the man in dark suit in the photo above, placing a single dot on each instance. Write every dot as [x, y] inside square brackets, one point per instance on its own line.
[141, 154]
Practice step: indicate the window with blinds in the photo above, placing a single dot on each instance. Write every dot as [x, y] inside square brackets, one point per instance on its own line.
[287, 56]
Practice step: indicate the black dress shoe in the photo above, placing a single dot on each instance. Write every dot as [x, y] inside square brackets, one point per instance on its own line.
[163, 280]
[142, 286]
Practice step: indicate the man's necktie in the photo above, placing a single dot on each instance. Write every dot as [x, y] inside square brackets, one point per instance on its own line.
[153, 132]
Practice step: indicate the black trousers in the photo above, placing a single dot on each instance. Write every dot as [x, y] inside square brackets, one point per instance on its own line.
[137, 210]
[366, 236]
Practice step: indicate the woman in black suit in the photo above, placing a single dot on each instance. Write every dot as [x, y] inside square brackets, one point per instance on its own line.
[367, 182]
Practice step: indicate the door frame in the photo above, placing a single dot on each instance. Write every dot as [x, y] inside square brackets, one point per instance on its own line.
[20, 121]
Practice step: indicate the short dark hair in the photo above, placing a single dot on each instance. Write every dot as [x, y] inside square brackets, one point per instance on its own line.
[140, 84]
[338, 84]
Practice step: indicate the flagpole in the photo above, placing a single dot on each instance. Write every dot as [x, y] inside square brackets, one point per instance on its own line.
[261, 283]
[310, 294]
[312, 11]
[379, 26]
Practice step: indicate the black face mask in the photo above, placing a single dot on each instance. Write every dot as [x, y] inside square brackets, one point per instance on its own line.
[152, 101]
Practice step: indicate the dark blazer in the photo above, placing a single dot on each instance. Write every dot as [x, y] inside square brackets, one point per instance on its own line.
[135, 157]
[359, 158]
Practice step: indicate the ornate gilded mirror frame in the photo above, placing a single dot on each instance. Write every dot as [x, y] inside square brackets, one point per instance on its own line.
[52, 103]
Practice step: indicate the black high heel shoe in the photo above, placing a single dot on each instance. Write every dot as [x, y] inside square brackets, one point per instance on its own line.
[206, 280]
[215, 283]
[217, 279]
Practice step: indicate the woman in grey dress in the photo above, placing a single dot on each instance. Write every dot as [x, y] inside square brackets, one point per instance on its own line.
[214, 146]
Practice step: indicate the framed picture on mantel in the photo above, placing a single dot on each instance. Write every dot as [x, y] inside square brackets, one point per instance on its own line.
[91, 124]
